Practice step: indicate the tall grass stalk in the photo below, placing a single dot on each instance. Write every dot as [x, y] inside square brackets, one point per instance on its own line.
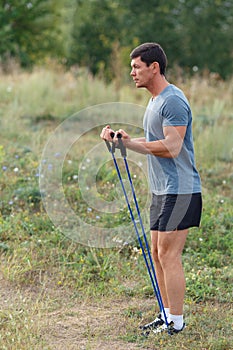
[41, 270]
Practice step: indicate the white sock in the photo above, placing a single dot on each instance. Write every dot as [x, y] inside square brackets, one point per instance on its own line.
[167, 312]
[177, 320]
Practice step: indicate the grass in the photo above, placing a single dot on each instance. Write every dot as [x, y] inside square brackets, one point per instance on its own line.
[52, 286]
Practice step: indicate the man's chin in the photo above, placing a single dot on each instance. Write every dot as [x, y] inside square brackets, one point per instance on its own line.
[138, 85]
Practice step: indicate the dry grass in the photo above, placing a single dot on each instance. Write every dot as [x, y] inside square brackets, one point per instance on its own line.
[42, 317]
[46, 303]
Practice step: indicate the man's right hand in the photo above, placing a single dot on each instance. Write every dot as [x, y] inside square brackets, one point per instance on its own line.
[106, 133]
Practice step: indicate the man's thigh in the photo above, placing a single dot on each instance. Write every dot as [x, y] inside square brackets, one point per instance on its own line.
[171, 242]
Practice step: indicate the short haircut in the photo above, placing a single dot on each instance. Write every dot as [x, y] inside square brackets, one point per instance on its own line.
[149, 53]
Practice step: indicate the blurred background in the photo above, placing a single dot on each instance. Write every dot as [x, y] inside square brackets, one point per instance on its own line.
[99, 35]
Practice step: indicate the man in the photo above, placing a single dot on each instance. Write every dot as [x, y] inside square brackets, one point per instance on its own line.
[174, 181]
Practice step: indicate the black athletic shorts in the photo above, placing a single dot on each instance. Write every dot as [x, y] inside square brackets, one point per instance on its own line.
[175, 211]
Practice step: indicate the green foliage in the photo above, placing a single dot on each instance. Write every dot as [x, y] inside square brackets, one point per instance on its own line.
[207, 35]
[96, 30]
[195, 34]
[29, 30]
[36, 256]
[99, 35]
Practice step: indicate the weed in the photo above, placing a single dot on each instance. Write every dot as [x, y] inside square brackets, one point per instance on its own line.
[35, 255]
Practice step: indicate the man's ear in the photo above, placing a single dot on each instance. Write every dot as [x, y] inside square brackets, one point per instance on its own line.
[156, 67]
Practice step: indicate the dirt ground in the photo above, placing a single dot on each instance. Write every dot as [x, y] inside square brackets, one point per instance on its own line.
[62, 322]
[44, 316]
[89, 326]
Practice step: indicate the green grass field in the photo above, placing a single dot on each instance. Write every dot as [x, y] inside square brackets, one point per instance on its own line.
[59, 294]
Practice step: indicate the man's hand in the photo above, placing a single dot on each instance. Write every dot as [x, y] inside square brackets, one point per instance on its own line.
[125, 137]
[106, 133]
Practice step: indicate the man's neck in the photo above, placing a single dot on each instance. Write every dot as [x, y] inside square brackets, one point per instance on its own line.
[159, 85]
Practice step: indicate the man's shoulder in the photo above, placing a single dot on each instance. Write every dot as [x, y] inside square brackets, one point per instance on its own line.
[173, 94]
[173, 90]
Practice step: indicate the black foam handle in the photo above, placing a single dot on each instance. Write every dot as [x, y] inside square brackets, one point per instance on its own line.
[110, 148]
[108, 145]
[121, 145]
[112, 134]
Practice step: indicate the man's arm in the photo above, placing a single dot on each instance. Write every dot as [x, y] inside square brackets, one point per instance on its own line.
[169, 147]
[139, 139]
[106, 134]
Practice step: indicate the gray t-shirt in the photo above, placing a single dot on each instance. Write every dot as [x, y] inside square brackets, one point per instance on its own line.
[171, 175]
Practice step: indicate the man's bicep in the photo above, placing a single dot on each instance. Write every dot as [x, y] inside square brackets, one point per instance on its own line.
[175, 132]
[174, 137]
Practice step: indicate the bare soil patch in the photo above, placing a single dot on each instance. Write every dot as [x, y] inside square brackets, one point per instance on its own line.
[63, 320]
[72, 324]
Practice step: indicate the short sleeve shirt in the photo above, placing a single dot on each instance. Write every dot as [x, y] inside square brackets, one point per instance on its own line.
[171, 175]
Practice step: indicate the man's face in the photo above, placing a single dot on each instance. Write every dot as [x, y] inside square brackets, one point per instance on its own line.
[141, 73]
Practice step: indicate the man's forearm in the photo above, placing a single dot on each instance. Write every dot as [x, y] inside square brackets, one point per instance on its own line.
[156, 148]
[139, 139]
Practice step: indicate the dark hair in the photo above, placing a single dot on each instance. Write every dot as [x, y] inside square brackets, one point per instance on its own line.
[149, 53]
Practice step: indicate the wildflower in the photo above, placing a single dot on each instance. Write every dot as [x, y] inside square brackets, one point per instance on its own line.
[75, 177]
[4, 168]
[29, 5]
[16, 170]
[57, 154]
[195, 68]
[135, 250]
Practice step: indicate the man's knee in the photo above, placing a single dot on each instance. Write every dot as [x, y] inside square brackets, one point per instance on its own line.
[154, 252]
[168, 258]
[160, 255]
[164, 257]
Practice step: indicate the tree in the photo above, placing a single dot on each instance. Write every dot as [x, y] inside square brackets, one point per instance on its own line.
[207, 28]
[193, 32]
[29, 30]
[95, 33]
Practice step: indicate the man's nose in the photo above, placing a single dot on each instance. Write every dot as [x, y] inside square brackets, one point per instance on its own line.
[132, 72]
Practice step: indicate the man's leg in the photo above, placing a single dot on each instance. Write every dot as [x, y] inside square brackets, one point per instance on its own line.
[167, 250]
[158, 268]
[159, 320]
[170, 247]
